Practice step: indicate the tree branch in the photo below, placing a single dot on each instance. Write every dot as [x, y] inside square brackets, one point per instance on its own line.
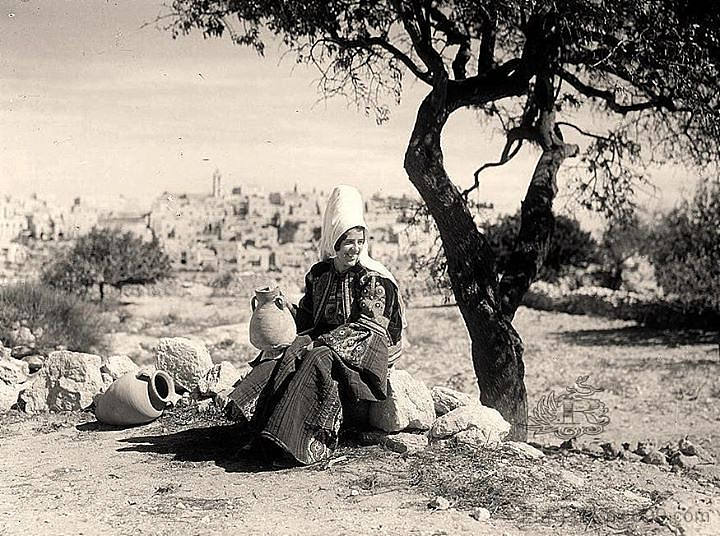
[369, 42]
[517, 134]
[609, 96]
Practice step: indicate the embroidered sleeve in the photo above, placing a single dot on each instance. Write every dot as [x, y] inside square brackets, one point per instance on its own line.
[372, 300]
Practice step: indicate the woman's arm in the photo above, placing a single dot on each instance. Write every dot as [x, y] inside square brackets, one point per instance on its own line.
[304, 315]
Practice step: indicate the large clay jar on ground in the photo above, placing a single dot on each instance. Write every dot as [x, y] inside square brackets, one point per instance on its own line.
[136, 398]
[272, 325]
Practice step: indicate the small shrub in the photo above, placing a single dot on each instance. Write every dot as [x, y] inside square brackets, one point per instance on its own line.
[108, 257]
[55, 318]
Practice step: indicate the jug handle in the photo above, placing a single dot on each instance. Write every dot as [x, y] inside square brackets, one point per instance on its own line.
[253, 303]
[280, 301]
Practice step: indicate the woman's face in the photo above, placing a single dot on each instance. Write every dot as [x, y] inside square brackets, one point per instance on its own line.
[350, 248]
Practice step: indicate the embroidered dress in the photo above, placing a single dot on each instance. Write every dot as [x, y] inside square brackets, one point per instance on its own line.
[347, 321]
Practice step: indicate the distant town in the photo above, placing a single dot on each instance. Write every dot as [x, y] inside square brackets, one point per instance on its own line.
[244, 229]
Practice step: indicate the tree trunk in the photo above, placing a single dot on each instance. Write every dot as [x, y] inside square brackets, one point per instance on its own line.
[495, 345]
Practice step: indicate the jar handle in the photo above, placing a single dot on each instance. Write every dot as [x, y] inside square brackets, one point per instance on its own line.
[280, 301]
[253, 303]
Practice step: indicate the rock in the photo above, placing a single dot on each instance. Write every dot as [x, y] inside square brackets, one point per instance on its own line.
[523, 449]
[439, 503]
[118, 365]
[629, 456]
[5, 353]
[593, 449]
[13, 371]
[487, 420]
[13, 374]
[645, 447]
[480, 514]
[611, 450]
[23, 336]
[107, 380]
[35, 362]
[186, 360]
[474, 438]
[405, 443]
[18, 352]
[67, 382]
[654, 458]
[220, 377]
[569, 444]
[686, 447]
[571, 478]
[409, 405]
[684, 462]
[446, 399]
[690, 514]
[9, 395]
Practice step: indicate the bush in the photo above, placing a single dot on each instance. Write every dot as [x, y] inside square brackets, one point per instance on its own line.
[570, 247]
[649, 310]
[108, 257]
[685, 250]
[54, 317]
[620, 242]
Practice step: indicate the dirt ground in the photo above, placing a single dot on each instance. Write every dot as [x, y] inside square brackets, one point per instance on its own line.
[64, 474]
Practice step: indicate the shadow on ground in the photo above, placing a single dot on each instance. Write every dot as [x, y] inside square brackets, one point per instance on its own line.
[220, 444]
[638, 336]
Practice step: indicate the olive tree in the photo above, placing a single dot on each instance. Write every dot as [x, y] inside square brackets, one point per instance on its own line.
[533, 67]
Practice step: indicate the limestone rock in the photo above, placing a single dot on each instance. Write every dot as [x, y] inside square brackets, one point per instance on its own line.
[491, 425]
[186, 360]
[645, 447]
[439, 503]
[13, 374]
[23, 336]
[446, 399]
[33, 395]
[13, 371]
[118, 365]
[654, 457]
[409, 405]
[67, 382]
[523, 449]
[219, 378]
[684, 462]
[480, 514]
[9, 395]
[405, 443]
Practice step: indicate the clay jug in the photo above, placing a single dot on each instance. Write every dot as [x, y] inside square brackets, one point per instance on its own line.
[272, 325]
[136, 398]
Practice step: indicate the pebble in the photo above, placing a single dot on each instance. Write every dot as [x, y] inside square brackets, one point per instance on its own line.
[480, 514]
[439, 503]
[654, 458]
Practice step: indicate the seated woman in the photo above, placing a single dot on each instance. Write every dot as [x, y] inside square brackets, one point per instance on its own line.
[350, 323]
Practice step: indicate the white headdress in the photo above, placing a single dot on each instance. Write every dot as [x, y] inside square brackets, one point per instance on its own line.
[344, 211]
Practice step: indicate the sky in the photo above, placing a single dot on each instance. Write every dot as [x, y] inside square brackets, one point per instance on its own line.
[96, 102]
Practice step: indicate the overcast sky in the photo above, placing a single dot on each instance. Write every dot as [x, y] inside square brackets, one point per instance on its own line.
[93, 103]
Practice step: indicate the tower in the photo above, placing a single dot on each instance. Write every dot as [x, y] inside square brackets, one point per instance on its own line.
[217, 184]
